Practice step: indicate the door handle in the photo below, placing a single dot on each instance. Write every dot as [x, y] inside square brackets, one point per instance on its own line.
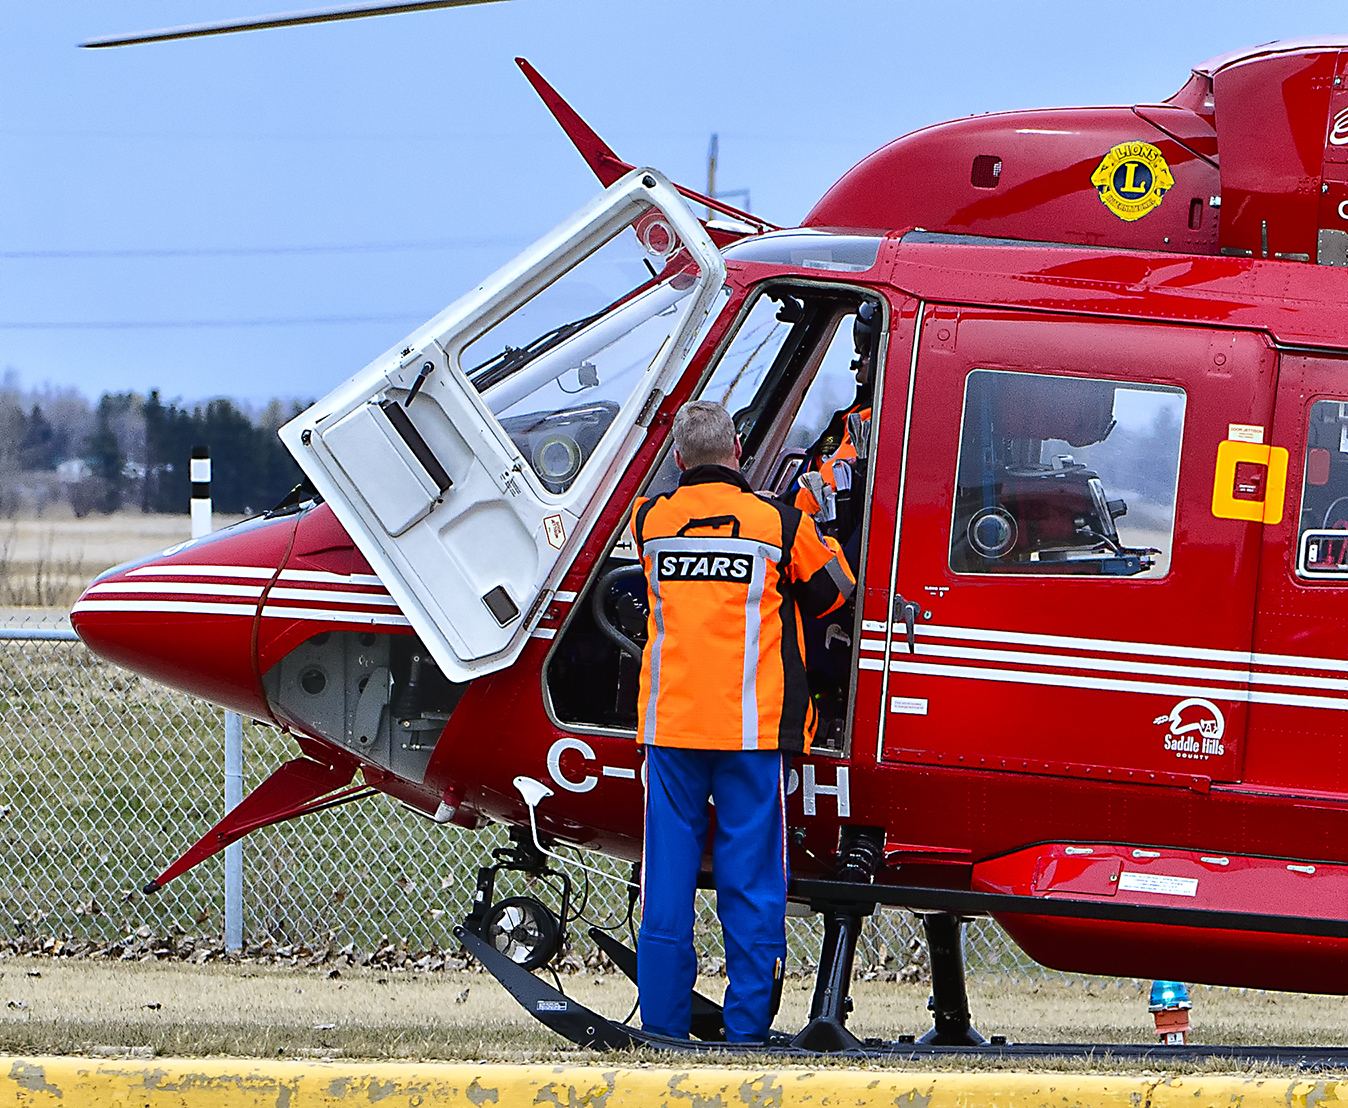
[906, 611]
[426, 370]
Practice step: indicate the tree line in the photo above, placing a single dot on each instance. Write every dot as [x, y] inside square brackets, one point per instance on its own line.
[126, 450]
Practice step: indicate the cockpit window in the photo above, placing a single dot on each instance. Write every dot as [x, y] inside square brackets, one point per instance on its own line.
[557, 370]
[809, 250]
[786, 370]
[1322, 534]
[1066, 475]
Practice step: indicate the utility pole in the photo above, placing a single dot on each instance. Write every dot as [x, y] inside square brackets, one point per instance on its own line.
[713, 158]
[713, 151]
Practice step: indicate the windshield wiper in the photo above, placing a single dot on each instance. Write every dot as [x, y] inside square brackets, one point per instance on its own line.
[512, 358]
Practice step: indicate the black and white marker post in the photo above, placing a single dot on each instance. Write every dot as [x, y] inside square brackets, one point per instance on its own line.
[201, 525]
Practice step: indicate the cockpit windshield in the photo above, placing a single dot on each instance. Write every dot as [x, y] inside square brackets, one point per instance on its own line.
[808, 249]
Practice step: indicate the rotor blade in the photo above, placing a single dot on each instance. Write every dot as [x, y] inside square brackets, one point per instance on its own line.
[284, 19]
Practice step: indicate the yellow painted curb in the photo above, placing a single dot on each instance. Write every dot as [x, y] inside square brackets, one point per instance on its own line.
[242, 1083]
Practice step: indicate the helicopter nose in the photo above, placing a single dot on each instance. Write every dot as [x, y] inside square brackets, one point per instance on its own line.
[184, 617]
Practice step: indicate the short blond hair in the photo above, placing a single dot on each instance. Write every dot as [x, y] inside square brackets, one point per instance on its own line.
[704, 434]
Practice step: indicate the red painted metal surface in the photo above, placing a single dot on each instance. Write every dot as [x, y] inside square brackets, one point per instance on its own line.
[325, 584]
[289, 791]
[1272, 150]
[1043, 190]
[1168, 878]
[186, 617]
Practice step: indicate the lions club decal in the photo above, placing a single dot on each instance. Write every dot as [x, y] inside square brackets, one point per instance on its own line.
[1132, 179]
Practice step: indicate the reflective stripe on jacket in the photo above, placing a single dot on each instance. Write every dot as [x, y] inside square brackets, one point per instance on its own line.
[724, 667]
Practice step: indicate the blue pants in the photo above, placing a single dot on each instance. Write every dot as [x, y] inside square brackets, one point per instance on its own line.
[749, 859]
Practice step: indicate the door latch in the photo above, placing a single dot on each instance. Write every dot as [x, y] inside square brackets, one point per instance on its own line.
[906, 611]
[426, 370]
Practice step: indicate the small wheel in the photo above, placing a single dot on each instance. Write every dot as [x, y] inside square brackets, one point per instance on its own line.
[524, 930]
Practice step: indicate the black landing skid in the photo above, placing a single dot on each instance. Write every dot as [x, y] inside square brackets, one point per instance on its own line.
[589, 1030]
[845, 903]
[825, 1033]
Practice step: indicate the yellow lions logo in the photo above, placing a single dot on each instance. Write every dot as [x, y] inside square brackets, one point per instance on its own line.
[1132, 179]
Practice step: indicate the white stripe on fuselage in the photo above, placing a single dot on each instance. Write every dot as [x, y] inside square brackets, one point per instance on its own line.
[1139, 663]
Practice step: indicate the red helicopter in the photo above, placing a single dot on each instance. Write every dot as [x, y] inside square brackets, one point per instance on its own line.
[1094, 683]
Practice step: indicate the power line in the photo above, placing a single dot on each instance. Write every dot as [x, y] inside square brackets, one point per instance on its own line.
[201, 324]
[251, 251]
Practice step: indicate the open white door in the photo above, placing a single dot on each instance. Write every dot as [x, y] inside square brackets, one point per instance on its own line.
[468, 462]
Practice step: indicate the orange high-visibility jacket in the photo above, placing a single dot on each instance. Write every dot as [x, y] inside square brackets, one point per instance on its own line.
[724, 667]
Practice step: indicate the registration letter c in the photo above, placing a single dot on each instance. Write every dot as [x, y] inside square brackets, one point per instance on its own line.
[555, 752]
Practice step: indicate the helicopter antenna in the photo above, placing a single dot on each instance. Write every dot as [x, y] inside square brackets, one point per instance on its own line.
[283, 19]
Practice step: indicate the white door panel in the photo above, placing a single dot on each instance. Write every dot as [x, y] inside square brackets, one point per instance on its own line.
[400, 490]
[460, 463]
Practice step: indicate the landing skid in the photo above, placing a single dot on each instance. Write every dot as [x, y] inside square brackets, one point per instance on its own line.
[587, 1029]
[844, 905]
[825, 1033]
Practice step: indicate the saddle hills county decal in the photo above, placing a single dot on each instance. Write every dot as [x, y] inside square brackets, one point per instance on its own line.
[1132, 179]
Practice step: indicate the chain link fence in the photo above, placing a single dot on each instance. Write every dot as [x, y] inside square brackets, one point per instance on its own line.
[108, 777]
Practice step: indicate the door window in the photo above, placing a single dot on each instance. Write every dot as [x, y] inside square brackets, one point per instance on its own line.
[1322, 533]
[558, 369]
[786, 371]
[1066, 475]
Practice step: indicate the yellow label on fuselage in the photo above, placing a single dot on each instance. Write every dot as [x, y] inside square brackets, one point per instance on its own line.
[1132, 179]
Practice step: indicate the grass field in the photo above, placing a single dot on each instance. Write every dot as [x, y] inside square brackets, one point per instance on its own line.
[45, 561]
[252, 1011]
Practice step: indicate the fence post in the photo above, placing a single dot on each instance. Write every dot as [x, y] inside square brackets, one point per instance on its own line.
[201, 525]
[234, 851]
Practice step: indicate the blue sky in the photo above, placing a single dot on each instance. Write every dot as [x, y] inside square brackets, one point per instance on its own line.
[302, 198]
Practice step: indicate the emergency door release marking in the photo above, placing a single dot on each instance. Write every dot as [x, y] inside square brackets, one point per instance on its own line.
[1268, 508]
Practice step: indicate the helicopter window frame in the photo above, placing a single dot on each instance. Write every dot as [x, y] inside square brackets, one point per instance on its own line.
[1308, 539]
[777, 396]
[619, 542]
[1070, 570]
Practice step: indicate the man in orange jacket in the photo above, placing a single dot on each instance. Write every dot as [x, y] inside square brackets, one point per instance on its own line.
[722, 696]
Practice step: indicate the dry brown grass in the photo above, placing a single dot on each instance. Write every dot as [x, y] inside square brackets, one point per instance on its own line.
[46, 560]
[255, 1011]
